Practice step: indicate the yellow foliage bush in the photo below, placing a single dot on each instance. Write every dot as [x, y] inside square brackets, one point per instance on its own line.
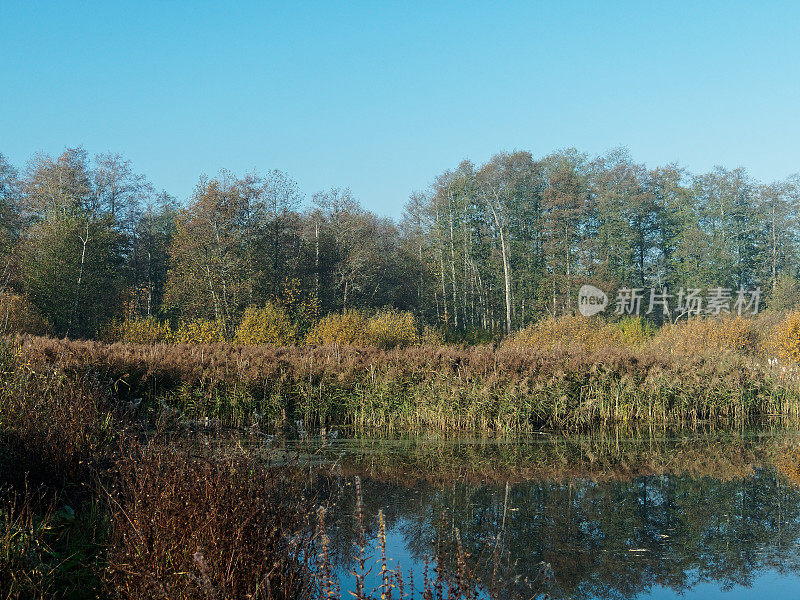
[140, 331]
[387, 329]
[348, 328]
[268, 325]
[702, 335]
[199, 331]
[571, 332]
[783, 341]
[18, 315]
[392, 329]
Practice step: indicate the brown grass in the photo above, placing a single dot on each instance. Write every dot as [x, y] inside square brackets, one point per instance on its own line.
[447, 388]
[188, 523]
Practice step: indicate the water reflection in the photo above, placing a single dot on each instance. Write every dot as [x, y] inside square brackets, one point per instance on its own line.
[615, 516]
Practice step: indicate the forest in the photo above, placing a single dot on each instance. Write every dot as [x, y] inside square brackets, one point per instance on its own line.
[86, 241]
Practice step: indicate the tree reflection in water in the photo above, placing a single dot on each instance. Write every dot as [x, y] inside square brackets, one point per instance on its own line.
[671, 512]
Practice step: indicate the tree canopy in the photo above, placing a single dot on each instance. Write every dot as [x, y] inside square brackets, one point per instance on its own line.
[488, 247]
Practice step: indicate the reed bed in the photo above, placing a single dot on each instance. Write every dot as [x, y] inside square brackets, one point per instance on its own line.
[504, 390]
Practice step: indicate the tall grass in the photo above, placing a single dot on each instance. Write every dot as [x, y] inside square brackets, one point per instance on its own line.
[189, 523]
[93, 504]
[515, 388]
[56, 432]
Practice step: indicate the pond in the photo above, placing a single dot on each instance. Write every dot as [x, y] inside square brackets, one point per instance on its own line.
[606, 514]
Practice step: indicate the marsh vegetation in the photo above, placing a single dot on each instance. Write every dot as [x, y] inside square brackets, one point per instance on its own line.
[104, 496]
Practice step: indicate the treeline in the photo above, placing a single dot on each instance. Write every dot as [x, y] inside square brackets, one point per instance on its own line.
[84, 241]
[512, 240]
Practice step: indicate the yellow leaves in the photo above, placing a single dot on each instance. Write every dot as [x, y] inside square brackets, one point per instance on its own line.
[431, 336]
[199, 331]
[569, 333]
[268, 325]
[348, 328]
[391, 328]
[152, 331]
[784, 339]
[140, 331]
[303, 308]
[387, 329]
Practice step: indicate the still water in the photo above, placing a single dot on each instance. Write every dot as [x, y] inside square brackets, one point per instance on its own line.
[610, 514]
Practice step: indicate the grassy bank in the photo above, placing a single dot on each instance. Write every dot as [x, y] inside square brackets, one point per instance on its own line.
[516, 387]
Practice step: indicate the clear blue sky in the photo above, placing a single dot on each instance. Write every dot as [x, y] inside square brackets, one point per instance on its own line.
[383, 96]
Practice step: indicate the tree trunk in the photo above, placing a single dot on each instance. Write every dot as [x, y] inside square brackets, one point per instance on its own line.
[774, 251]
[316, 260]
[453, 270]
[506, 268]
[85, 241]
[214, 299]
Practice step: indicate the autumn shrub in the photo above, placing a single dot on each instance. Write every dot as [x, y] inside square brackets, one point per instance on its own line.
[268, 325]
[705, 335]
[783, 340]
[392, 329]
[387, 329]
[199, 331]
[571, 332]
[140, 331]
[348, 328]
[18, 315]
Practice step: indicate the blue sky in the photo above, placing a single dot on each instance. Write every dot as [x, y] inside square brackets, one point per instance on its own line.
[383, 96]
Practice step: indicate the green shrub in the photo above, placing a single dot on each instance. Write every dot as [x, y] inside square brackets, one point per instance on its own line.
[634, 331]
